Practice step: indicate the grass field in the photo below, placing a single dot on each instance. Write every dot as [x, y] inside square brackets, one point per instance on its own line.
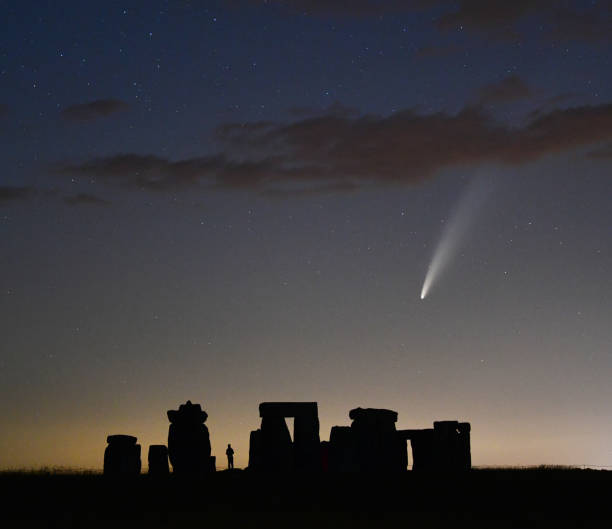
[477, 499]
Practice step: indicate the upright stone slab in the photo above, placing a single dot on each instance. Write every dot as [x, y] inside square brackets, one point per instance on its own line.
[403, 452]
[342, 450]
[422, 445]
[306, 443]
[277, 446]
[465, 459]
[452, 445]
[324, 455]
[444, 448]
[378, 447]
[446, 441]
[256, 455]
[122, 456]
[188, 440]
[271, 447]
[158, 460]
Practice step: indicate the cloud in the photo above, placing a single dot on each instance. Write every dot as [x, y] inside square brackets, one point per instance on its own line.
[3, 110]
[94, 109]
[552, 103]
[145, 171]
[497, 19]
[568, 20]
[593, 26]
[340, 153]
[10, 194]
[511, 88]
[604, 152]
[561, 98]
[494, 18]
[336, 109]
[85, 199]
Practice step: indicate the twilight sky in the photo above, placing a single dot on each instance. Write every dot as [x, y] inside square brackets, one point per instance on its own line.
[237, 201]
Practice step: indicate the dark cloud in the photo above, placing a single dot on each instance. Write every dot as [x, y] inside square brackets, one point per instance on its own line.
[3, 110]
[335, 109]
[338, 152]
[145, 171]
[511, 88]
[10, 194]
[604, 152]
[497, 19]
[85, 199]
[594, 25]
[485, 16]
[565, 20]
[561, 98]
[94, 109]
[552, 103]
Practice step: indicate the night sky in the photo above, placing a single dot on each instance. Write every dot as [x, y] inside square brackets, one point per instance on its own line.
[238, 201]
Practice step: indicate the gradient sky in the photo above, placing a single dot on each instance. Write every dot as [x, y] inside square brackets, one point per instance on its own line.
[237, 201]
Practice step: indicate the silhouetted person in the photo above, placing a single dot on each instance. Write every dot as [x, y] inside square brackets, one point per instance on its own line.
[230, 456]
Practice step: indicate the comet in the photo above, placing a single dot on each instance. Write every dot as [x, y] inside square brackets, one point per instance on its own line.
[456, 230]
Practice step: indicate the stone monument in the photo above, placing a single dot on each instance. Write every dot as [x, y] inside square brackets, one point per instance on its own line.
[189, 440]
[122, 456]
[158, 460]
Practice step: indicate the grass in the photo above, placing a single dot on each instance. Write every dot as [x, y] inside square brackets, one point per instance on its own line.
[491, 498]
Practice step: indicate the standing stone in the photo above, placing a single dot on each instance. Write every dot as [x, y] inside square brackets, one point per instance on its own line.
[188, 440]
[306, 443]
[422, 445]
[403, 454]
[271, 447]
[377, 444]
[444, 448]
[122, 456]
[465, 459]
[341, 450]
[158, 460]
[277, 446]
[445, 444]
[452, 445]
[256, 458]
[324, 451]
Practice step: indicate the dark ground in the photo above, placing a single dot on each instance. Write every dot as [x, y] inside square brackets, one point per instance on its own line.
[489, 499]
